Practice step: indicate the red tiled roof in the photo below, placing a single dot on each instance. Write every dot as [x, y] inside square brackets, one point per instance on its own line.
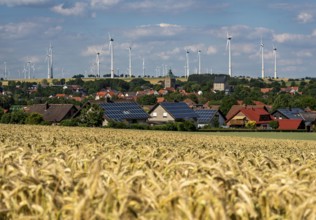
[266, 90]
[258, 103]
[254, 114]
[289, 124]
[160, 99]
[236, 108]
[240, 102]
[60, 95]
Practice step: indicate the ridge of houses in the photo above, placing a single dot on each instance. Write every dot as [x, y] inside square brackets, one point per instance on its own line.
[164, 112]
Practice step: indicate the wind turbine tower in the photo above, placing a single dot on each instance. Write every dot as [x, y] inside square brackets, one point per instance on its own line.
[275, 61]
[262, 60]
[187, 65]
[130, 61]
[5, 70]
[98, 65]
[143, 67]
[199, 56]
[229, 38]
[112, 55]
[49, 58]
[29, 69]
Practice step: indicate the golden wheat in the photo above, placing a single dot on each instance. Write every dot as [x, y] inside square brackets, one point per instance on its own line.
[87, 173]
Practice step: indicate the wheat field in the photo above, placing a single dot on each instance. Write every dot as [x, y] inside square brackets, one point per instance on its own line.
[89, 173]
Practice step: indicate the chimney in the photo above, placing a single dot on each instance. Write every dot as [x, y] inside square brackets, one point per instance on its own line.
[46, 106]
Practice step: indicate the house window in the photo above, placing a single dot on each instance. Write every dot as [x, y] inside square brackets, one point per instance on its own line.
[165, 115]
[154, 114]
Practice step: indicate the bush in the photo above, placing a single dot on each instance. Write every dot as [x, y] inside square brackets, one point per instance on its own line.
[251, 125]
[274, 124]
[18, 117]
[171, 126]
[34, 119]
[6, 118]
[69, 122]
[189, 126]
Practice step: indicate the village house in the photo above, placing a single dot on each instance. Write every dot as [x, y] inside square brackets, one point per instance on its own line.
[260, 116]
[171, 111]
[128, 112]
[211, 118]
[288, 113]
[220, 83]
[53, 113]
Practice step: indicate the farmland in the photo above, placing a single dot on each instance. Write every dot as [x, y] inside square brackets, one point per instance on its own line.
[86, 173]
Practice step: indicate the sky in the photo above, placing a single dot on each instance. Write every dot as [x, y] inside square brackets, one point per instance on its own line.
[159, 32]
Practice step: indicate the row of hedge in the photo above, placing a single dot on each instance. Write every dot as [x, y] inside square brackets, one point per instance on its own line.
[170, 126]
[20, 117]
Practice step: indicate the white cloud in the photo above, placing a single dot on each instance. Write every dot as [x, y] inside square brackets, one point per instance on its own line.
[93, 49]
[166, 5]
[103, 3]
[162, 29]
[77, 9]
[17, 30]
[238, 49]
[12, 3]
[211, 50]
[303, 53]
[33, 59]
[281, 38]
[53, 30]
[305, 17]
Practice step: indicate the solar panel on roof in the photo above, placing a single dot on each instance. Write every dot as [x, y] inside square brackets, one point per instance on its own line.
[179, 110]
[293, 113]
[121, 111]
[205, 116]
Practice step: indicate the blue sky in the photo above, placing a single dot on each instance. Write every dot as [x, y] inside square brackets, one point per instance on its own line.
[159, 32]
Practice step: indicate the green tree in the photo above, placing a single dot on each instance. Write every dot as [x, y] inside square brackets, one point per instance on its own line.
[18, 117]
[34, 119]
[226, 104]
[91, 116]
[282, 101]
[147, 100]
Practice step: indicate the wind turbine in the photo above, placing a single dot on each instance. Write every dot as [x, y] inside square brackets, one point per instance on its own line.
[130, 61]
[262, 59]
[143, 67]
[187, 64]
[199, 56]
[229, 38]
[275, 61]
[112, 55]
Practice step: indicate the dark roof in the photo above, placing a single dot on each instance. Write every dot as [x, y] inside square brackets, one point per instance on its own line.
[179, 110]
[308, 116]
[52, 112]
[220, 79]
[290, 113]
[120, 111]
[205, 116]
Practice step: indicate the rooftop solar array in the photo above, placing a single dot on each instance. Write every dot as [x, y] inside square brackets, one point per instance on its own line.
[179, 110]
[124, 111]
[205, 115]
[293, 113]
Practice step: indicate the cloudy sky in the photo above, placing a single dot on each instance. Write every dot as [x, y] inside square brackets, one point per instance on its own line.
[159, 32]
